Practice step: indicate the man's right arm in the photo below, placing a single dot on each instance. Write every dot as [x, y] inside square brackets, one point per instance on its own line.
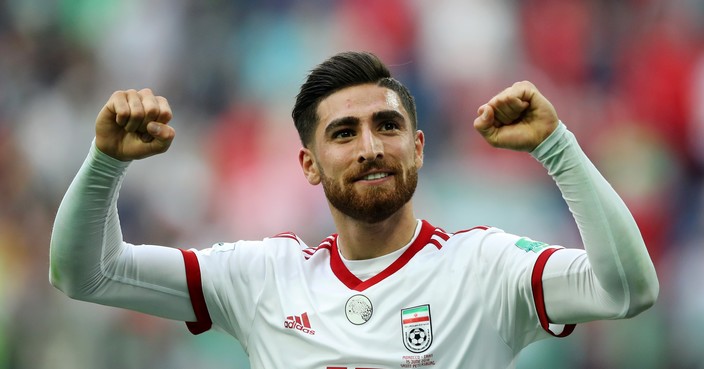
[89, 259]
[91, 262]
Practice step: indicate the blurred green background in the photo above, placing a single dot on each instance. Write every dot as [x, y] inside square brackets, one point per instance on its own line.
[627, 77]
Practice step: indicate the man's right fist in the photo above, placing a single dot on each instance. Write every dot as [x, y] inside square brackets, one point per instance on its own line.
[134, 125]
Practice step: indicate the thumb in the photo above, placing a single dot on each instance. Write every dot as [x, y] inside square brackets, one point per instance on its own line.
[163, 135]
[485, 121]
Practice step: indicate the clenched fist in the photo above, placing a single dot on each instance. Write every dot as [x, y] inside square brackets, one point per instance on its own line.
[134, 125]
[518, 118]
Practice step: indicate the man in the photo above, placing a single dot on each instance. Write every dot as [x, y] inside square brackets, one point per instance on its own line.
[388, 290]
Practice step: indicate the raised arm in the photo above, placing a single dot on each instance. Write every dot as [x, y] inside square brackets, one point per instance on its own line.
[89, 259]
[615, 277]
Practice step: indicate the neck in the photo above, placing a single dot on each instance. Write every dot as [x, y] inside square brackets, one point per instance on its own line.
[362, 240]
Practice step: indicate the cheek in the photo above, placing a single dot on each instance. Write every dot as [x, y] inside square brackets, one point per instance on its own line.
[331, 164]
[336, 154]
[411, 155]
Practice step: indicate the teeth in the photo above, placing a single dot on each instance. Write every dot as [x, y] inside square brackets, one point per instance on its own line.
[375, 176]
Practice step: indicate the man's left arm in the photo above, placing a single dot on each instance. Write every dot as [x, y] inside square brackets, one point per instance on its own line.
[615, 277]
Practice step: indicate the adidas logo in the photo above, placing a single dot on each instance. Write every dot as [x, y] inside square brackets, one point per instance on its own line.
[300, 323]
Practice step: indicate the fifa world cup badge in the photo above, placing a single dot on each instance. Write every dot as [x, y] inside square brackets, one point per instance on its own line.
[417, 328]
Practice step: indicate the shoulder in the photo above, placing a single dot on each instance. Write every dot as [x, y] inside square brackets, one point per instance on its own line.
[468, 236]
[278, 245]
[461, 241]
[490, 242]
[485, 236]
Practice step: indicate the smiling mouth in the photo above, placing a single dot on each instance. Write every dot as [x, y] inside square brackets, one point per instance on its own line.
[373, 176]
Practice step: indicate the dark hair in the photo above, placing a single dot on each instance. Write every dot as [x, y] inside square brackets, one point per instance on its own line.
[343, 70]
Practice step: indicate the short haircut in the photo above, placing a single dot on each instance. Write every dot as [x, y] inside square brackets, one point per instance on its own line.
[343, 70]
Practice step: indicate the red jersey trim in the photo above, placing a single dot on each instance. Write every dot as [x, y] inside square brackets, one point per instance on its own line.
[471, 229]
[195, 290]
[290, 235]
[539, 298]
[352, 282]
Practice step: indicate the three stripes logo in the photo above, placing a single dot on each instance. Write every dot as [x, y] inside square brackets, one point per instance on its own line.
[301, 323]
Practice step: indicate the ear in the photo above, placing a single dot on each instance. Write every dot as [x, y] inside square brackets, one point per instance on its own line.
[310, 168]
[419, 144]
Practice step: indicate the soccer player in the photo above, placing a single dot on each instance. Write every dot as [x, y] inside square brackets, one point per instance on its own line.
[388, 290]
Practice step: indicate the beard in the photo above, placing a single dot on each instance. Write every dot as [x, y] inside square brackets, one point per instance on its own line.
[376, 203]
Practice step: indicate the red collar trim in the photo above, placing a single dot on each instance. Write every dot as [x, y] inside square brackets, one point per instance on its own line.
[352, 282]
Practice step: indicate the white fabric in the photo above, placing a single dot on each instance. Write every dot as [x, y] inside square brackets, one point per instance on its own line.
[477, 286]
[615, 278]
[364, 269]
[91, 262]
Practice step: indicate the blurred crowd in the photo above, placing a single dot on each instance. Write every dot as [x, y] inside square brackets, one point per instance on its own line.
[627, 77]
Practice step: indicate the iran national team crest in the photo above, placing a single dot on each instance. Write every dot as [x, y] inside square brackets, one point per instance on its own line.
[417, 329]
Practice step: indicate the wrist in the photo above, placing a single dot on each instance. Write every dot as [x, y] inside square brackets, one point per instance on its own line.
[104, 160]
[548, 145]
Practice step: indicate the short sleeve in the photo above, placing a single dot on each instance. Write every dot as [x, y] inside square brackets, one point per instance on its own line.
[224, 282]
[512, 269]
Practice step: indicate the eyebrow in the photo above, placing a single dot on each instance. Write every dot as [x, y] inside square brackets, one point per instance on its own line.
[388, 115]
[353, 121]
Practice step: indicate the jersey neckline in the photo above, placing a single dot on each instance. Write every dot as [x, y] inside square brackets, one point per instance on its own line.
[354, 283]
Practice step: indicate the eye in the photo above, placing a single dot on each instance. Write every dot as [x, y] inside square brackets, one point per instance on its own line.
[389, 125]
[343, 133]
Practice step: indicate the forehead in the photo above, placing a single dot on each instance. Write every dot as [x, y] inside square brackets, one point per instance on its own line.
[358, 101]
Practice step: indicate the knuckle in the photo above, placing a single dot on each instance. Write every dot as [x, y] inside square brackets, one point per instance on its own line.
[166, 115]
[162, 101]
[525, 84]
[121, 118]
[137, 114]
[151, 111]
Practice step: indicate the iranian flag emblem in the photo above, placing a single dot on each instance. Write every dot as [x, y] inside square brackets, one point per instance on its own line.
[416, 327]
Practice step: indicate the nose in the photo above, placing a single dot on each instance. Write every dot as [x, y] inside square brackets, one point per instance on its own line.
[371, 147]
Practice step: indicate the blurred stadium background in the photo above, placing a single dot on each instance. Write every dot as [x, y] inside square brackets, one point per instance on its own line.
[626, 76]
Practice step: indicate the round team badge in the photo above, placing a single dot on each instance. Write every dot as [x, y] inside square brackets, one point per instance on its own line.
[358, 309]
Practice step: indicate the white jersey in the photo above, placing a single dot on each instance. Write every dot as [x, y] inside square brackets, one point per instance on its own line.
[468, 299]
